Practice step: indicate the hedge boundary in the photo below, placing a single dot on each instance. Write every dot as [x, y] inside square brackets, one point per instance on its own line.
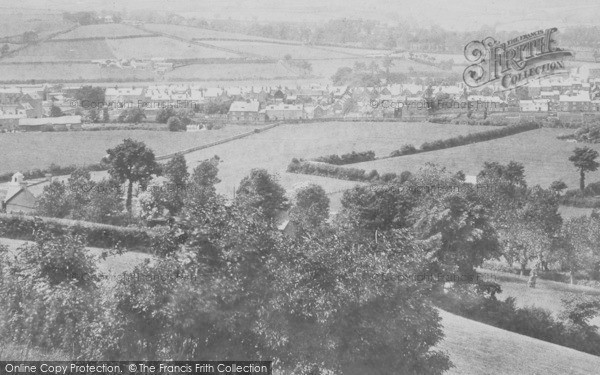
[23, 227]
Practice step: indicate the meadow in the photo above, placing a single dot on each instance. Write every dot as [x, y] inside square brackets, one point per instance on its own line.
[70, 72]
[18, 21]
[274, 149]
[110, 30]
[189, 32]
[544, 157]
[63, 51]
[233, 72]
[278, 51]
[162, 47]
[26, 151]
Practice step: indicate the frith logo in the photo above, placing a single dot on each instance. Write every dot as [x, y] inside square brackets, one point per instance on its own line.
[513, 63]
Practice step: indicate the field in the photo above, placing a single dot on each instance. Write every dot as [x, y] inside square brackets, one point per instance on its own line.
[26, 151]
[70, 71]
[16, 22]
[274, 149]
[545, 158]
[162, 47]
[233, 72]
[278, 51]
[64, 51]
[188, 32]
[101, 30]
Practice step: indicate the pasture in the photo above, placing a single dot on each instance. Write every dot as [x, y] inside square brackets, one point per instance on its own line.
[162, 47]
[71, 72]
[18, 21]
[110, 30]
[274, 149]
[64, 51]
[26, 151]
[233, 72]
[278, 51]
[190, 32]
[545, 158]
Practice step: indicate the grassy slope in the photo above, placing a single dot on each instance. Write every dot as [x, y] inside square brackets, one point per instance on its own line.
[545, 158]
[479, 349]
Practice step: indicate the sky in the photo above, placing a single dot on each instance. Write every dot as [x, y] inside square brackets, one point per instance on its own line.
[462, 15]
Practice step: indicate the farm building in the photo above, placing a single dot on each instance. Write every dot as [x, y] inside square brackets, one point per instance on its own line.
[17, 198]
[55, 123]
[284, 111]
[244, 111]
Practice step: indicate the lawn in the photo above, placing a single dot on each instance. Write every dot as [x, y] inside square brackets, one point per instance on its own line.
[274, 149]
[110, 30]
[26, 151]
[64, 51]
[545, 158]
[162, 47]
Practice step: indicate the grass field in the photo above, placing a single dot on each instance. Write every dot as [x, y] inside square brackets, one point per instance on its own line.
[273, 150]
[189, 32]
[68, 71]
[545, 158]
[156, 47]
[278, 51]
[230, 72]
[26, 151]
[110, 30]
[17, 21]
[66, 51]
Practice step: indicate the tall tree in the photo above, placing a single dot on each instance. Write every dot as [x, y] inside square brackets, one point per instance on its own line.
[311, 208]
[133, 162]
[261, 191]
[584, 159]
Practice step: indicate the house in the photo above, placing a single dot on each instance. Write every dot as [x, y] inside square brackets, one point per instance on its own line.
[536, 105]
[17, 198]
[284, 224]
[575, 102]
[284, 111]
[244, 111]
[124, 95]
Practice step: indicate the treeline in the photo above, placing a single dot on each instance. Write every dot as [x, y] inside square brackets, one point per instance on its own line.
[349, 158]
[463, 140]
[350, 174]
[53, 170]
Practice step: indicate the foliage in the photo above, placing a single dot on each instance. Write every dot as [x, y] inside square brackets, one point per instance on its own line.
[349, 158]
[584, 159]
[261, 191]
[133, 162]
[311, 207]
[328, 170]
[132, 115]
[55, 111]
[175, 125]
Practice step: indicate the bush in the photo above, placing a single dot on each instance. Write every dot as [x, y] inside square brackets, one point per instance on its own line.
[175, 125]
[349, 158]
[328, 170]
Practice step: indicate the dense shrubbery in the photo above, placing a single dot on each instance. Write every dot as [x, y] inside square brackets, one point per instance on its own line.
[92, 234]
[328, 170]
[588, 134]
[349, 158]
[406, 149]
[529, 321]
[589, 198]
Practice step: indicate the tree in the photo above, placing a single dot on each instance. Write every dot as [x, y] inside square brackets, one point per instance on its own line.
[558, 186]
[578, 248]
[54, 202]
[133, 162]
[105, 203]
[175, 125]
[342, 76]
[105, 115]
[55, 111]
[175, 188]
[261, 191]
[388, 62]
[164, 114]
[311, 208]
[4, 50]
[90, 97]
[132, 115]
[93, 115]
[584, 159]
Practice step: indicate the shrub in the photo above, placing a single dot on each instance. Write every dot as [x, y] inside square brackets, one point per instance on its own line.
[175, 125]
[349, 158]
[328, 170]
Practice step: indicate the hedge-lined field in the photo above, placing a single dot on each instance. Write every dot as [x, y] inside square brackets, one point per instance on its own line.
[28, 151]
[110, 30]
